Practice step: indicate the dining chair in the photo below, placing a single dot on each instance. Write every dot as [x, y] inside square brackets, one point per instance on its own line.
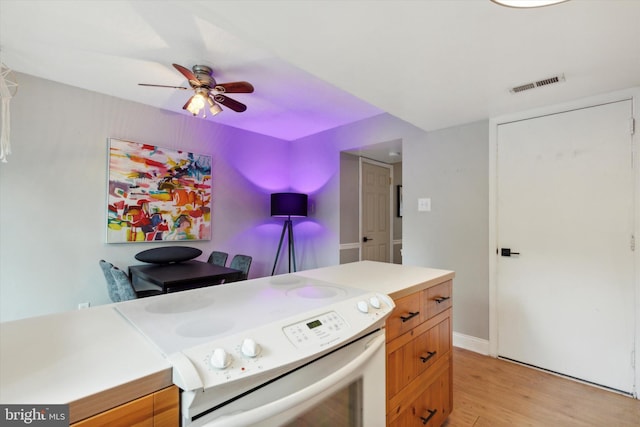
[243, 263]
[218, 258]
[112, 287]
[119, 285]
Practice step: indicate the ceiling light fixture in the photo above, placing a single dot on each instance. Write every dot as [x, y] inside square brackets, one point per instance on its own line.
[198, 102]
[527, 3]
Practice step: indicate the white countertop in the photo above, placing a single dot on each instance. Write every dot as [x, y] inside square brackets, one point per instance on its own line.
[66, 357]
[394, 280]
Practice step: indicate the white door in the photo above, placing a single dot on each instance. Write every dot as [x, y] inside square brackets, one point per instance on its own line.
[565, 190]
[376, 212]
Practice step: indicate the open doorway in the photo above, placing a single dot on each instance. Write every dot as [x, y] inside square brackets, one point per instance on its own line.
[389, 153]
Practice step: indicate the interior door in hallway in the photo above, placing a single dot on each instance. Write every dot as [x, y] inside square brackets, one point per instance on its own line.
[376, 212]
[565, 295]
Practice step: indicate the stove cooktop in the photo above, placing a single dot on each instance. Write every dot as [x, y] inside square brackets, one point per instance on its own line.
[182, 320]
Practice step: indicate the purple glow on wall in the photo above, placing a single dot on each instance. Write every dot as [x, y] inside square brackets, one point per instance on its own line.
[264, 163]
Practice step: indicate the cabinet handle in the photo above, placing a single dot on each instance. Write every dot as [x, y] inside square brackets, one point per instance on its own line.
[430, 355]
[438, 300]
[431, 412]
[411, 315]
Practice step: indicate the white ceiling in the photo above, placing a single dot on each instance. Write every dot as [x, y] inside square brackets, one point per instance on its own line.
[321, 64]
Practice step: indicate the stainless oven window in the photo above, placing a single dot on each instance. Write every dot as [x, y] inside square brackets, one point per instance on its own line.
[343, 408]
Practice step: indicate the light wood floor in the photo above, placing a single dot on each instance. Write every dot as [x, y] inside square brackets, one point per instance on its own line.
[493, 392]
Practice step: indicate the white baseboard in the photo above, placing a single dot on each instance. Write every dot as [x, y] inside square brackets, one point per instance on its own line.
[468, 342]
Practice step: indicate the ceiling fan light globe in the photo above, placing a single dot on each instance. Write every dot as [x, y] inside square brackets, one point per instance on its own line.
[196, 104]
[215, 109]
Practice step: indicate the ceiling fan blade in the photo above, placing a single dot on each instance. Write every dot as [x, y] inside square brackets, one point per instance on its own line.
[184, 107]
[172, 87]
[236, 106]
[193, 80]
[234, 87]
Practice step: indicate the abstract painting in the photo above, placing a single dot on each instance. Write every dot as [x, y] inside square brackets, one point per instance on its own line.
[157, 194]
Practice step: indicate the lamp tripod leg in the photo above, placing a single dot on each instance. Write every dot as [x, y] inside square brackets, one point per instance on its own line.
[292, 249]
[275, 263]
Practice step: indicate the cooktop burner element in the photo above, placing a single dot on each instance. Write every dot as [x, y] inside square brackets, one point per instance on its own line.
[316, 292]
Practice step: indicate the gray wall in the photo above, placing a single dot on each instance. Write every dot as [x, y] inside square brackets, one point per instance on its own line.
[53, 192]
[451, 168]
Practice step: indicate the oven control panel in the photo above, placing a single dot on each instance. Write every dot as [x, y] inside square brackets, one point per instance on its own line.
[316, 331]
[273, 348]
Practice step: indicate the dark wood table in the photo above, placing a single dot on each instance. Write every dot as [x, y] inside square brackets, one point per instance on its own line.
[181, 276]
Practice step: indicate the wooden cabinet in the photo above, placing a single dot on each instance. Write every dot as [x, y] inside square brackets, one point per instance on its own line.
[419, 358]
[159, 409]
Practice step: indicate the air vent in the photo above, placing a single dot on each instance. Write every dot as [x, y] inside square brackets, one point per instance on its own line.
[539, 83]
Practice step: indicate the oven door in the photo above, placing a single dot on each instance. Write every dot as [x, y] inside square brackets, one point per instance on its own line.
[346, 387]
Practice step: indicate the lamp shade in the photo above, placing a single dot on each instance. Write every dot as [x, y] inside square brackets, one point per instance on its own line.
[288, 204]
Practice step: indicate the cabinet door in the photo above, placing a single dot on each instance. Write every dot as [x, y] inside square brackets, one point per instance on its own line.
[406, 316]
[159, 409]
[138, 413]
[431, 407]
[400, 368]
[437, 299]
[431, 345]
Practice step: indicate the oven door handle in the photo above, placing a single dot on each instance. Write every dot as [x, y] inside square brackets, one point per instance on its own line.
[305, 397]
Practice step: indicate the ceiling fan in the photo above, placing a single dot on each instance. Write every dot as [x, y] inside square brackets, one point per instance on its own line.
[208, 91]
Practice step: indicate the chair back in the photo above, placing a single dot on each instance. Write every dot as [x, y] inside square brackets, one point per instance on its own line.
[218, 258]
[123, 287]
[111, 282]
[243, 263]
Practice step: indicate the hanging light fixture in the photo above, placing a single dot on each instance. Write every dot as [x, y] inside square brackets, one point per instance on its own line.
[527, 3]
[198, 102]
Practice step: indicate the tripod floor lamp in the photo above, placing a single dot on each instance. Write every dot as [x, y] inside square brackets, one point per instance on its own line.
[288, 205]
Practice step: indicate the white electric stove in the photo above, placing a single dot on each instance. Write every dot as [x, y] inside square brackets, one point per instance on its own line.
[241, 347]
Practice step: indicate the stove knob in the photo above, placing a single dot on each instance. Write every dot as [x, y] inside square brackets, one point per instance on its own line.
[250, 348]
[363, 306]
[375, 302]
[220, 359]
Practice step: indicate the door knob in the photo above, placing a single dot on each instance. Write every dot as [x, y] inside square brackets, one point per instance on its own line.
[366, 239]
[507, 252]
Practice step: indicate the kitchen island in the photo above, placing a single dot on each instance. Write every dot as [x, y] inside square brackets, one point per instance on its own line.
[94, 360]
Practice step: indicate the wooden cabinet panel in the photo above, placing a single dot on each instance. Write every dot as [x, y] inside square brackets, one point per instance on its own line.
[438, 299]
[419, 358]
[160, 409]
[166, 407]
[406, 316]
[400, 368]
[431, 346]
[430, 408]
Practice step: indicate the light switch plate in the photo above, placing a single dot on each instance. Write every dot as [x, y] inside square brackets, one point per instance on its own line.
[424, 205]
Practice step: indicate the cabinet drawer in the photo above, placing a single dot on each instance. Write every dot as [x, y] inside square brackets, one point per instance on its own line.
[406, 316]
[437, 299]
[431, 345]
[431, 408]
